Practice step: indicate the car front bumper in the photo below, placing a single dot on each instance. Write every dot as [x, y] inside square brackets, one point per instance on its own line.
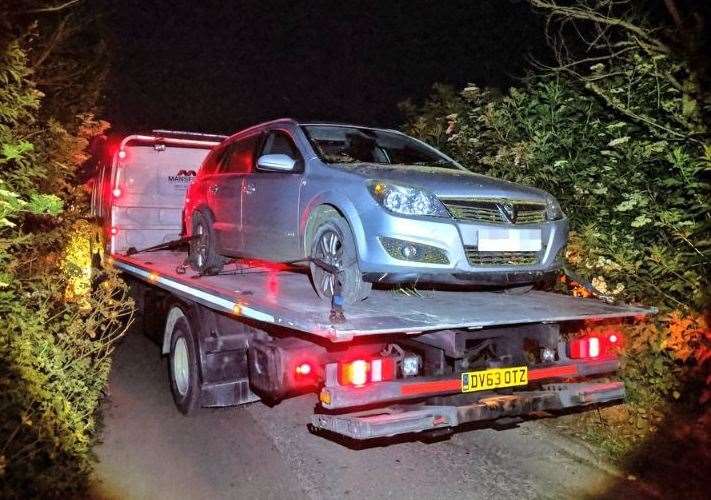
[453, 239]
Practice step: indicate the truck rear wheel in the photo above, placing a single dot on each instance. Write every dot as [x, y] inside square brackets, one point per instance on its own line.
[333, 244]
[183, 367]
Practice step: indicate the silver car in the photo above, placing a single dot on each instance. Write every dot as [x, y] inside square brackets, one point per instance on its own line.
[363, 205]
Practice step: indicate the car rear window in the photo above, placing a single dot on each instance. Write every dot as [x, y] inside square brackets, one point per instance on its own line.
[239, 157]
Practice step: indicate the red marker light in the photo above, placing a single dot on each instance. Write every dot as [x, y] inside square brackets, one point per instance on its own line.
[116, 192]
[613, 339]
[303, 369]
[122, 154]
[114, 231]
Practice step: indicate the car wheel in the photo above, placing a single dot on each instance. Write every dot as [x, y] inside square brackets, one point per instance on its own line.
[333, 244]
[203, 256]
[183, 368]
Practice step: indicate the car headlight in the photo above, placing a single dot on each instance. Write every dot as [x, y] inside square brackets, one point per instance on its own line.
[553, 210]
[406, 200]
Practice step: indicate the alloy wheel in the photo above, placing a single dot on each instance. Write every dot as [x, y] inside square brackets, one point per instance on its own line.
[329, 249]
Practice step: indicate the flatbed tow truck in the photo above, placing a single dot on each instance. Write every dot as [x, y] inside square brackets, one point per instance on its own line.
[400, 362]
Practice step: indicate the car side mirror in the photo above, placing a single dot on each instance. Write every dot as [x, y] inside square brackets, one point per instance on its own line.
[276, 162]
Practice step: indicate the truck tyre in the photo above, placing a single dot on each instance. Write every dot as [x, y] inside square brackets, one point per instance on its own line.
[203, 255]
[183, 367]
[333, 243]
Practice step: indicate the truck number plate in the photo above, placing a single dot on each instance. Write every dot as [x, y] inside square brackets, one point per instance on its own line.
[494, 378]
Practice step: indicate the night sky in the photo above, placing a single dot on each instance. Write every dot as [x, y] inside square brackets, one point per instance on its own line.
[218, 66]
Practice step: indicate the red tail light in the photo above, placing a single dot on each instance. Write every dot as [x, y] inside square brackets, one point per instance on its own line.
[594, 346]
[359, 372]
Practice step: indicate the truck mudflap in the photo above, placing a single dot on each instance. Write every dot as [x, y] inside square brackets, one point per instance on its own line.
[407, 419]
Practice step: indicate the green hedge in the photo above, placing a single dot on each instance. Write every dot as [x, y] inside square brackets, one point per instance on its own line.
[622, 140]
[54, 344]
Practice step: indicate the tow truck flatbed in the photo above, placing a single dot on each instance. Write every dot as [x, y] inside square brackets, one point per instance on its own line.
[285, 298]
[259, 330]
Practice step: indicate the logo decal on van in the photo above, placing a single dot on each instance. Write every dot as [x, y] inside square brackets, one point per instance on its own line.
[183, 176]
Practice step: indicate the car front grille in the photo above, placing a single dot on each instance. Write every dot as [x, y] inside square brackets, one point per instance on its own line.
[477, 258]
[477, 210]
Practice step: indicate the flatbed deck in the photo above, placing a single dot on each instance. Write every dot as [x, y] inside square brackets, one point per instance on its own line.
[286, 298]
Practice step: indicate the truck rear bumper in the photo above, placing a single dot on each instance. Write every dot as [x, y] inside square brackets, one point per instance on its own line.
[397, 420]
[335, 396]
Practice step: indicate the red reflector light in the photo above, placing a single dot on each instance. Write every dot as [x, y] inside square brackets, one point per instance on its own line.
[116, 192]
[359, 372]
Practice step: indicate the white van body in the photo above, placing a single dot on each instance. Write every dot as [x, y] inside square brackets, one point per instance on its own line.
[138, 192]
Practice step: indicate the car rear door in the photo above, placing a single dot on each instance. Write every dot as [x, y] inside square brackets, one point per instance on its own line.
[224, 192]
[270, 203]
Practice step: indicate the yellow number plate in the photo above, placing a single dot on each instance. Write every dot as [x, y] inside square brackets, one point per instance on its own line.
[494, 378]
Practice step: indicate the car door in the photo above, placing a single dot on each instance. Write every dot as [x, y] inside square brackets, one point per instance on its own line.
[224, 193]
[270, 210]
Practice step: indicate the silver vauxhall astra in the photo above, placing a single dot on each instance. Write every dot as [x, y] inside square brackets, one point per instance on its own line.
[363, 205]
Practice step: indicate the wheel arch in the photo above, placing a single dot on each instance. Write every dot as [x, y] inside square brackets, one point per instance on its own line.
[345, 209]
[175, 312]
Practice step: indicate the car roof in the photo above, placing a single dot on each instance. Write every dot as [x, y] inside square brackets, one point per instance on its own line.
[309, 123]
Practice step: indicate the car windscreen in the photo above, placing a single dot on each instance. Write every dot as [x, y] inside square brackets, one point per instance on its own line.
[343, 144]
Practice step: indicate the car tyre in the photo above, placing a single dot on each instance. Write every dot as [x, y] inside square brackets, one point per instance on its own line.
[183, 368]
[333, 243]
[202, 255]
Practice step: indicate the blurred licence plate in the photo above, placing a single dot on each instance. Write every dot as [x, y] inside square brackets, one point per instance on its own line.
[497, 239]
[494, 378]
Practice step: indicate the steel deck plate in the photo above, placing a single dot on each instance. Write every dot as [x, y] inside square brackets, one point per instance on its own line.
[286, 298]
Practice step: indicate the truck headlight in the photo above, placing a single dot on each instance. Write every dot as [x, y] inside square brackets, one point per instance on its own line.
[553, 210]
[406, 200]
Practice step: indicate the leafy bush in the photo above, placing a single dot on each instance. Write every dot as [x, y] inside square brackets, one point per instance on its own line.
[54, 345]
[619, 135]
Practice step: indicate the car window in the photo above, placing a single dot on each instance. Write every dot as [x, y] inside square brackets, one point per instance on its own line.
[210, 164]
[239, 157]
[280, 143]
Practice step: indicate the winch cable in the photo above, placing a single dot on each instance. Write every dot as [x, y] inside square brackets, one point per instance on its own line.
[587, 285]
[168, 245]
[336, 314]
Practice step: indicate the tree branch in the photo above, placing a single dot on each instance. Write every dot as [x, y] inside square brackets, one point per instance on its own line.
[54, 8]
[54, 40]
[585, 14]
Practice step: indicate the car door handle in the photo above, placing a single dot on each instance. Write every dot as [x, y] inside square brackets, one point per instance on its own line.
[214, 188]
[249, 188]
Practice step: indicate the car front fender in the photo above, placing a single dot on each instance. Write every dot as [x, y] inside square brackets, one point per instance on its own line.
[345, 207]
